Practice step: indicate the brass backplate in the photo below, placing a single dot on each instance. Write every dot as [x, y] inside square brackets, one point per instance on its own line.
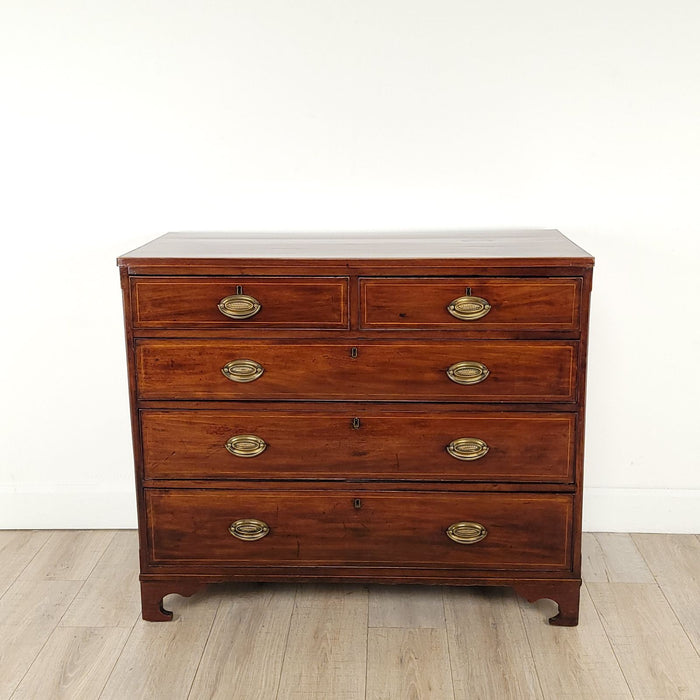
[469, 308]
[239, 306]
[246, 445]
[242, 371]
[249, 529]
[468, 372]
[466, 532]
[467, 449]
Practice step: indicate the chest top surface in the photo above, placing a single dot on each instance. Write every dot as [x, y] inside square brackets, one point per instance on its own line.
[544, 246]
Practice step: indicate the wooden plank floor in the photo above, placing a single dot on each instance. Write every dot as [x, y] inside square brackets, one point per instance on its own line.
[70, 628]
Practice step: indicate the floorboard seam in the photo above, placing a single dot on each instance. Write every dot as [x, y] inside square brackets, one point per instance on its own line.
[529, 646]
[286, 642]
[46, 641]
[204, 646]
[369, 593]
[36, 554]
[663, 593]
[119, 656]
[607, 636]
[447, 640]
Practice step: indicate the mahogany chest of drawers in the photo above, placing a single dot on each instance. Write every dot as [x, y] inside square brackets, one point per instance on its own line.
[386, 408]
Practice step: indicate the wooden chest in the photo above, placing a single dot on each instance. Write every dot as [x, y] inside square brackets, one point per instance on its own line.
[386, 408]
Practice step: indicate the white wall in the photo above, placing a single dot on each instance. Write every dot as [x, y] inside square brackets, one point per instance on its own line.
[123, 120]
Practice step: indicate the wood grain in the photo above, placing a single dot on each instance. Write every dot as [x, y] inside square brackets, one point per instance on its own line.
[29, 611]
[489, 651]
[613, 557]
[286, 302]
[408, 663]
[471, 245]
[321, 443]
[18, 548]
[574, 662]
[655, 655]
[675, 561]
[160, 661]
[534, 371]
[110, 595]
[5, 583]
[410, 607]
[244, 652]
[327, 645]
[70, 555]
[421, 304]
[74, 664]
[592, 562]
[525, 531]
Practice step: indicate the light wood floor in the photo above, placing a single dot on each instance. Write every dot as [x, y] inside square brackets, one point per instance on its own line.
[70, 628]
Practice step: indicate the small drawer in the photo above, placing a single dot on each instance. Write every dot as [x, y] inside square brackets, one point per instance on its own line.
[463, 371]
[240, 302]
[367, 443]
[457, 303]
[345, 527]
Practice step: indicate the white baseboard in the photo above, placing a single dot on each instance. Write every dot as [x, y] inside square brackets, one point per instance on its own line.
[61, 506]
[67, 506]
[641, 510]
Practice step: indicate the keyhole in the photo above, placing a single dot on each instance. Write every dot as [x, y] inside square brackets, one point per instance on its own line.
[355, 423]
[357, 503]
[353, 352]
[239, 289]
[469, 291]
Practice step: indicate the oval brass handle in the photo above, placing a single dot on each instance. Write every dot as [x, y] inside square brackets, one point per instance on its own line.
[466, 532]
[469, 308]
[245, 445]
[242, 371]
[249, 529]
[467, 449]
[468, 372]
[239, 306]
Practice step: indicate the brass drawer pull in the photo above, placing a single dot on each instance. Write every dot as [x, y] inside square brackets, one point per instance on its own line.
[245, 445]
[468, 372]
[466, 532]
[239, 306]
[467, 449]
[469, 308]
[249, 529]
[242, 371]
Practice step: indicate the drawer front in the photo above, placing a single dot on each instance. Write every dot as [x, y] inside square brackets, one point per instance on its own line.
[532, 371]
[524, 531]
[365, 443]
[536, 304]
[240, 302]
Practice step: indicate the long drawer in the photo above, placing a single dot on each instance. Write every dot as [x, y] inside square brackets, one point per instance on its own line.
[461, 304]
[240, 302]
[364, 442]
[464, 371]
[297, 528]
